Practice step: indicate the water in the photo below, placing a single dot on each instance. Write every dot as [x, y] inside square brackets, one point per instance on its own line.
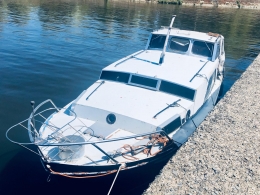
[56, 49]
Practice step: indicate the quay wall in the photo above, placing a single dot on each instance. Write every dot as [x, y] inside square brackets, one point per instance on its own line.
[244, 4]
[223, 154]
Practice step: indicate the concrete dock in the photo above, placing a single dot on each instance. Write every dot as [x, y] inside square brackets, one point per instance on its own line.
[223, 154]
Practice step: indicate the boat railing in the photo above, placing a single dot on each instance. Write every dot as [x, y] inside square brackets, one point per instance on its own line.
[35, 134]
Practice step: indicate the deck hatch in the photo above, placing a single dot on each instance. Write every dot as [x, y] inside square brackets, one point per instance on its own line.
[115, 76]
[178, 90]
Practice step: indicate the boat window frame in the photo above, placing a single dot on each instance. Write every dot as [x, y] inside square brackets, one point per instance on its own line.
[145, 86]
[189, 51]
[114, 80]
[149, 41]
[218, 49]
[222, 52]
[215, 49]
[202, 56]
[168, 49]
[195, 91]
[157, 88]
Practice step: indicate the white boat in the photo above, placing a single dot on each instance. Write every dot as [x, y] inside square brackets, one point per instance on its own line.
[139, 109]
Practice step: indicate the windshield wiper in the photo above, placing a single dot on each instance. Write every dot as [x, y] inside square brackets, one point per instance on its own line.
[180, 43]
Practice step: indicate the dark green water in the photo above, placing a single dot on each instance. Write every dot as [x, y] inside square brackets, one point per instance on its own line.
[56, 49]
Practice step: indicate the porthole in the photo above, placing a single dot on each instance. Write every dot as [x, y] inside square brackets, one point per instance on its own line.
[111, 119]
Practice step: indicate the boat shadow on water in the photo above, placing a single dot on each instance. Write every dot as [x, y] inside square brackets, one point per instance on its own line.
[24, 173]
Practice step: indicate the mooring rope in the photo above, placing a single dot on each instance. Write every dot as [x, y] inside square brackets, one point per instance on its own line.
[123, 165]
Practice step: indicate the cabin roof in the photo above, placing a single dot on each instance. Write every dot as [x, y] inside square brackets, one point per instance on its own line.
[177, 68]
[208, 37]
[134, 102]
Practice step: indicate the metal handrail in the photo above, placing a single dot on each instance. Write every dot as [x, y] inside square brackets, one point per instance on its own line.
[107, 140]
[93, 143]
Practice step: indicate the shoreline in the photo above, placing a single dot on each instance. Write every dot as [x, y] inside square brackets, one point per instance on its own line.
[222, 156]
[230, 5]
[200, 3]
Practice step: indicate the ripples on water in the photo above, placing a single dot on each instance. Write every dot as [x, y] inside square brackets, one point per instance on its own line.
[56, 49]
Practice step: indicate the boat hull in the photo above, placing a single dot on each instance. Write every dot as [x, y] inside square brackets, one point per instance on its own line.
[76, 170]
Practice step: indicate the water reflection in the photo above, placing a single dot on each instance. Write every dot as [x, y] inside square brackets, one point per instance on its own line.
[54, 15]
[18, 13]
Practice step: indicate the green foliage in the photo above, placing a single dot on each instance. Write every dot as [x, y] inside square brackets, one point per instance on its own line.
[175, 2]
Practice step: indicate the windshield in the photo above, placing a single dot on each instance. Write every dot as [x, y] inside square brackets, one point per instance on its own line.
[203, 48]
[179, 44]
[157, 41]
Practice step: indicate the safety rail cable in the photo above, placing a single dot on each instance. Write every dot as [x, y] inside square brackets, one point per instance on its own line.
[58, 109]
[104, 141]
[58, 129]
[95, 142]
[53, 127]
[29, 129]
[42, 142]
[32, 115]
[85, 143]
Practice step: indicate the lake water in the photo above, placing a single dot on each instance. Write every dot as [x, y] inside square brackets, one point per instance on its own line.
[56, 49]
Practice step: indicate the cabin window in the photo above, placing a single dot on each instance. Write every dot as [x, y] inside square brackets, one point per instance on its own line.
[203, 48]
[222, 47]
[179, 44]
[178, 90]
[115, 76]
[157, 42]
[172, 126]
[218, 50]
[143, 81]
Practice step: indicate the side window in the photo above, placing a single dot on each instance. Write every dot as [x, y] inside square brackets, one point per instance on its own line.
[210, 84]
[218, 50]
[222, 47]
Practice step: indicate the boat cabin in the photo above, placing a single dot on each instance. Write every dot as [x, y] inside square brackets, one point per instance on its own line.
[137, 88]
